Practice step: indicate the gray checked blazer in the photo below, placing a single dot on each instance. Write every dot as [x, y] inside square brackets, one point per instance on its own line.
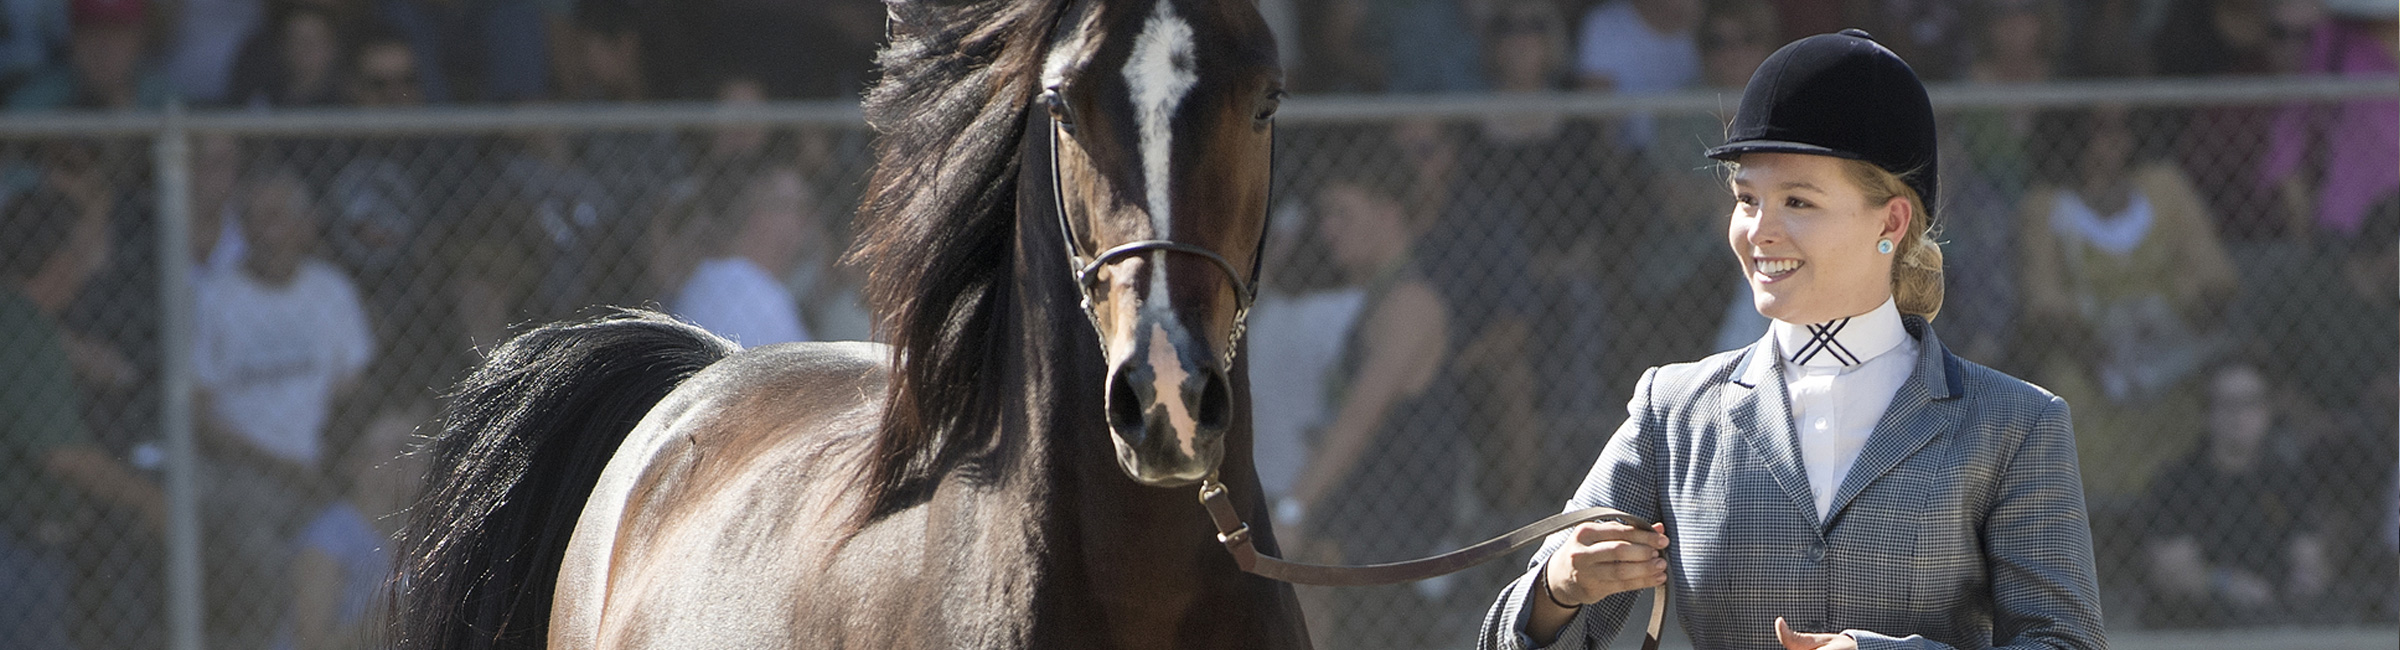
[1961, 525]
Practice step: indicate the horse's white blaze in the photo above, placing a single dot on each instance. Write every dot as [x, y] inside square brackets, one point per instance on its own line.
[1159, 73]
[1167, 377]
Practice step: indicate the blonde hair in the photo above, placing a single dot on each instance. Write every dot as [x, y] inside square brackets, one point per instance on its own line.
[1917, 258]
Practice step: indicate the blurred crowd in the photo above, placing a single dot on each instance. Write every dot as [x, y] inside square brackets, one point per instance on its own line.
[1453, 314]
[1650, 46]
[292, 53]
[337, 288]
[340, 284]
[113, 54]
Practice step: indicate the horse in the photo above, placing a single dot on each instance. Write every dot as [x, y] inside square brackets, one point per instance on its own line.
[1061, 236]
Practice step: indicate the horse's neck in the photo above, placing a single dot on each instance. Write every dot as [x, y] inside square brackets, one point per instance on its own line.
[1131, 565]
[1144, 562]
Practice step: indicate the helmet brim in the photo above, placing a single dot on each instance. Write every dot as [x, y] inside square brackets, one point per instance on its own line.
[1731, 150]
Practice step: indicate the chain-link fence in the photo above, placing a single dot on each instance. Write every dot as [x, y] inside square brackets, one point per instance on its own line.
[2196, 266]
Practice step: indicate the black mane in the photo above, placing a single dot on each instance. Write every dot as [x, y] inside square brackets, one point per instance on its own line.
[939, 222]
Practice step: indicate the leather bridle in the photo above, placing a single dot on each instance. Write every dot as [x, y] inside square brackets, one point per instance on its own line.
[1231, 530]
[1087, 270]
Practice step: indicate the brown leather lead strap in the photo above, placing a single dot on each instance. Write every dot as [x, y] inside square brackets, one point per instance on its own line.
[1235, 535]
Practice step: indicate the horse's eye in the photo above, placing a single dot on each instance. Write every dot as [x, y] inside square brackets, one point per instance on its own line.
[1268, 105]
[1059, 111]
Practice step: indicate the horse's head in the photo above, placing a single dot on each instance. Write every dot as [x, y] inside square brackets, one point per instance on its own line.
[1161, 114]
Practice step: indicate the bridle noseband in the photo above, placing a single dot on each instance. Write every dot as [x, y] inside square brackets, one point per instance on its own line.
[1087, 271]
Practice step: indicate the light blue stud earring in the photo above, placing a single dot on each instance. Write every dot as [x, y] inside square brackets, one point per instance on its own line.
[1883, 246]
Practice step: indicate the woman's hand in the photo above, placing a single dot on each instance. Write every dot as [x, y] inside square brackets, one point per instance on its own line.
[1805, 641]
[1602, 559]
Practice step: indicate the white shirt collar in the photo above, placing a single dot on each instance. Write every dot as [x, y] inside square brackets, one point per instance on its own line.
[1842, 341]
[2116, 233]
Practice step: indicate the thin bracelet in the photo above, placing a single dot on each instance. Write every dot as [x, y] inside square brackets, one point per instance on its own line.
[1541, 580]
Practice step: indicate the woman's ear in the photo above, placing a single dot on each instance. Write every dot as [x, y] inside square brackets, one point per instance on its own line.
[1897, 212]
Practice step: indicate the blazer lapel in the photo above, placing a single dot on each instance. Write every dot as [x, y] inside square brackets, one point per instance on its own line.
[1763, 415]
[1925, 406]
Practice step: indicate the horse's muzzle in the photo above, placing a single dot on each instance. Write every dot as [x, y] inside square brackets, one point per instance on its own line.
[1169, 405]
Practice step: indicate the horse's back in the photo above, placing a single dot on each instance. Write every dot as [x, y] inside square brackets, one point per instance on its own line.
[722, 505]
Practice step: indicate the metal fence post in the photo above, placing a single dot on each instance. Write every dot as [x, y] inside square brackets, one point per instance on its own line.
[172, 154]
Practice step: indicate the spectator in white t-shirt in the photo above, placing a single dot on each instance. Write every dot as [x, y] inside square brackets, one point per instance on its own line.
[737, 292]
[281, 339]
[1638, 47]
[275, 345]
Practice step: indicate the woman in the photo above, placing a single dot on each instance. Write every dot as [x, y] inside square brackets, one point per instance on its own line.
[1845, 481]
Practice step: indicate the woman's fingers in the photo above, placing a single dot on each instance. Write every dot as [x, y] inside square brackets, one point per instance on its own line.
[1594, 532]
[1605, 558]
[1806, 641]
[1614, 542]
[1617, 557]
[1616, 561]
[1790, 639]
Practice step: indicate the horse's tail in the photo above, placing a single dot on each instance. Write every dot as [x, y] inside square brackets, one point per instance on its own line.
[523, 441]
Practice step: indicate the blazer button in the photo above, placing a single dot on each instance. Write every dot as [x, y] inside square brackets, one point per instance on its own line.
[1814, 552]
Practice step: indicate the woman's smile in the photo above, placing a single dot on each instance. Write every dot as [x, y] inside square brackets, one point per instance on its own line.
[1774, 269]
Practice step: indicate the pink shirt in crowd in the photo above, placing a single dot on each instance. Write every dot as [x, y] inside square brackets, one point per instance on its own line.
[2362, 137]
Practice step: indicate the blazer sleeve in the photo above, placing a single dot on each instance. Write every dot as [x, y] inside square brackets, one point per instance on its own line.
[2037, 548]
[1621, 479]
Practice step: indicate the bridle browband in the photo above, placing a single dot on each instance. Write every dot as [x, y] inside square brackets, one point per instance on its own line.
[1232, 532]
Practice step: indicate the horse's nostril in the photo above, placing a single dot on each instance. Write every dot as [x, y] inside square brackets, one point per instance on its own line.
[1124, 406]
[1216, 403]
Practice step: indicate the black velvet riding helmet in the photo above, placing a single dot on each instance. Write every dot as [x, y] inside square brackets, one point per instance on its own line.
[1841, 95]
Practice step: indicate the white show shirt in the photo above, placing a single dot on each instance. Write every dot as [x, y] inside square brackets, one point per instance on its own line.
[1841, 376]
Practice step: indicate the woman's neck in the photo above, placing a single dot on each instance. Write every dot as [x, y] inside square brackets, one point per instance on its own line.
[1847, 311]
